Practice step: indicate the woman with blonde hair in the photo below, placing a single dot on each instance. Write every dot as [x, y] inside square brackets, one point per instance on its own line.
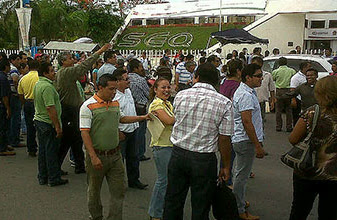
[323, 180]
[162, 147]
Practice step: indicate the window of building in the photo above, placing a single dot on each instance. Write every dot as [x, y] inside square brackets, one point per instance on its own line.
[153, 22]
[333, 24]
[136, 22]
[317, 24]
[306, 23]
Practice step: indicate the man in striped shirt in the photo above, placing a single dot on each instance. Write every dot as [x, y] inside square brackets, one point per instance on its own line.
[183, 76]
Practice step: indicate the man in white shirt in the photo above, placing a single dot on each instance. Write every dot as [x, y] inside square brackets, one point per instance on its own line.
[266, 92]
[146, 62]
[298, 79]
[127, 132]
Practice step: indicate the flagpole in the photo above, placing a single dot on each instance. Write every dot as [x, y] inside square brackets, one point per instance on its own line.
[220, 16]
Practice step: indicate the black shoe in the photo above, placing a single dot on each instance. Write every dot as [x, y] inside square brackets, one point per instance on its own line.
[64, 173]
[43, 182]
[32, 154]
[144, 158]
[138, 185]
[58, 183]
[79, 171]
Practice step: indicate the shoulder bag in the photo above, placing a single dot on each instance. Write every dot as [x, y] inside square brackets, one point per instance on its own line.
[302, 157]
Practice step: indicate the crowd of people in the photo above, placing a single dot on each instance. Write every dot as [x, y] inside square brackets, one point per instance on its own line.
[97, 109]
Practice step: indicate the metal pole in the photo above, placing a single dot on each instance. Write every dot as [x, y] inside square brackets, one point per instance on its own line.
[220, 16]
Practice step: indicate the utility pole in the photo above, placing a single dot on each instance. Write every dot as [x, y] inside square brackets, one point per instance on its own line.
[220, 20]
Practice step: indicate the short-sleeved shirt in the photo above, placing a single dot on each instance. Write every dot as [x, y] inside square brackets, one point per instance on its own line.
[101, 119]
[45, 95]
[27, 84]
[106, 68]
[127, 106]
[139, 88]
[164, 139]
[267, 85]
[282, 77]
[228, 88]
[298, 79]
[245, 99]
[201, 115]
[13, 73]
[184, 75]
[5, 88]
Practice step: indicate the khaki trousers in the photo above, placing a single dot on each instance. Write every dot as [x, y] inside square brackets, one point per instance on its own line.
[113, 171]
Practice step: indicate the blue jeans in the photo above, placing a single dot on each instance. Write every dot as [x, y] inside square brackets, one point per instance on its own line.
[161, 157]
[130, 155]
[48, 161]
[243, 163]
[31, 132]
[4, 126]
[140, 138]
[15, 121]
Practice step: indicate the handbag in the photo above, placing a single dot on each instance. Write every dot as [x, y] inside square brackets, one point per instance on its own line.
[224, 205]
[302, 157]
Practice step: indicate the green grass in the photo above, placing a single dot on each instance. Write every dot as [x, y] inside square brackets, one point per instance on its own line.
[200, 36]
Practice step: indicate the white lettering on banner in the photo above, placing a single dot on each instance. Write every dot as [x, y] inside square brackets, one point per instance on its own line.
[188, 38]
[183, 39]
[156, 39]
[131, 40]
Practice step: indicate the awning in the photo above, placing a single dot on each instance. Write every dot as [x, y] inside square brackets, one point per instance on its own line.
[68, 46]
[237, 36]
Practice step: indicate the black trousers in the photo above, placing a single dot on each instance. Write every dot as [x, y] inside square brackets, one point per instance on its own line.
[71, 137]
[305, 192]
[190, 169]
[130, 156]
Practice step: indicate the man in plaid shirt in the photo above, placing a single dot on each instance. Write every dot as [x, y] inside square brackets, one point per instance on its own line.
[204, 124]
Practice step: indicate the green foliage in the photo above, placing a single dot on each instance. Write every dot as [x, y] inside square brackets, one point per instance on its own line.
[200, 35]
[60, 20]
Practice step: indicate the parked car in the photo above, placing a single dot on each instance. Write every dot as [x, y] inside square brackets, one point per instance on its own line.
[294, 60]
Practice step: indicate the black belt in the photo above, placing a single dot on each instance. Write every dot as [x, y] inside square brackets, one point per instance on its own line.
[107, 152]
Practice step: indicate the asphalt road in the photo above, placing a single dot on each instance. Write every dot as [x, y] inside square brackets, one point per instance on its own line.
[22, 198]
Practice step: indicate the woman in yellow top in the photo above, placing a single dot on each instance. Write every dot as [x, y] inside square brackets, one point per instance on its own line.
[162, 147]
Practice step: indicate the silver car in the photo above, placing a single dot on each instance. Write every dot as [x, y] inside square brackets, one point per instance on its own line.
[322, 65]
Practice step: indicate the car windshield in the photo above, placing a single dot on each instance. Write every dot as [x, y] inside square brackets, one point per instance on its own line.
[270, 65]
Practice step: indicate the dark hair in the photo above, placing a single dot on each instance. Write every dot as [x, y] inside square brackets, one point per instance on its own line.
[3, 64]
[334, 62]
[189, 57]
[44, 68]
[229, 56]
[208, 73]
[203, 53]
[282, 61]
[166, 50]
[3, 55]
[108, 54]
[242, 56]
[33, 64]
[329, 49]
[257, 59]
[276, 50]
[155, 85]
[22, 66]
[233, 66]
[21, 53]
[164, 72]
[212, 58]
[118, 73]
[313, 70]
[256, 49]
[134, 63]
[13, 56]
[249, 70]
[105, 78]
[162, 62]
[202, 60]
[304, 65]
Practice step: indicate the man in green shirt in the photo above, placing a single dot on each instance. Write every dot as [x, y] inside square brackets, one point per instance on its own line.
[99, 121]
[71, 101]
[282, 77]
[47, 121]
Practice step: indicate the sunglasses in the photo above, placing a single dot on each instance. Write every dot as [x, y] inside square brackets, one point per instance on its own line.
[258, 75]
